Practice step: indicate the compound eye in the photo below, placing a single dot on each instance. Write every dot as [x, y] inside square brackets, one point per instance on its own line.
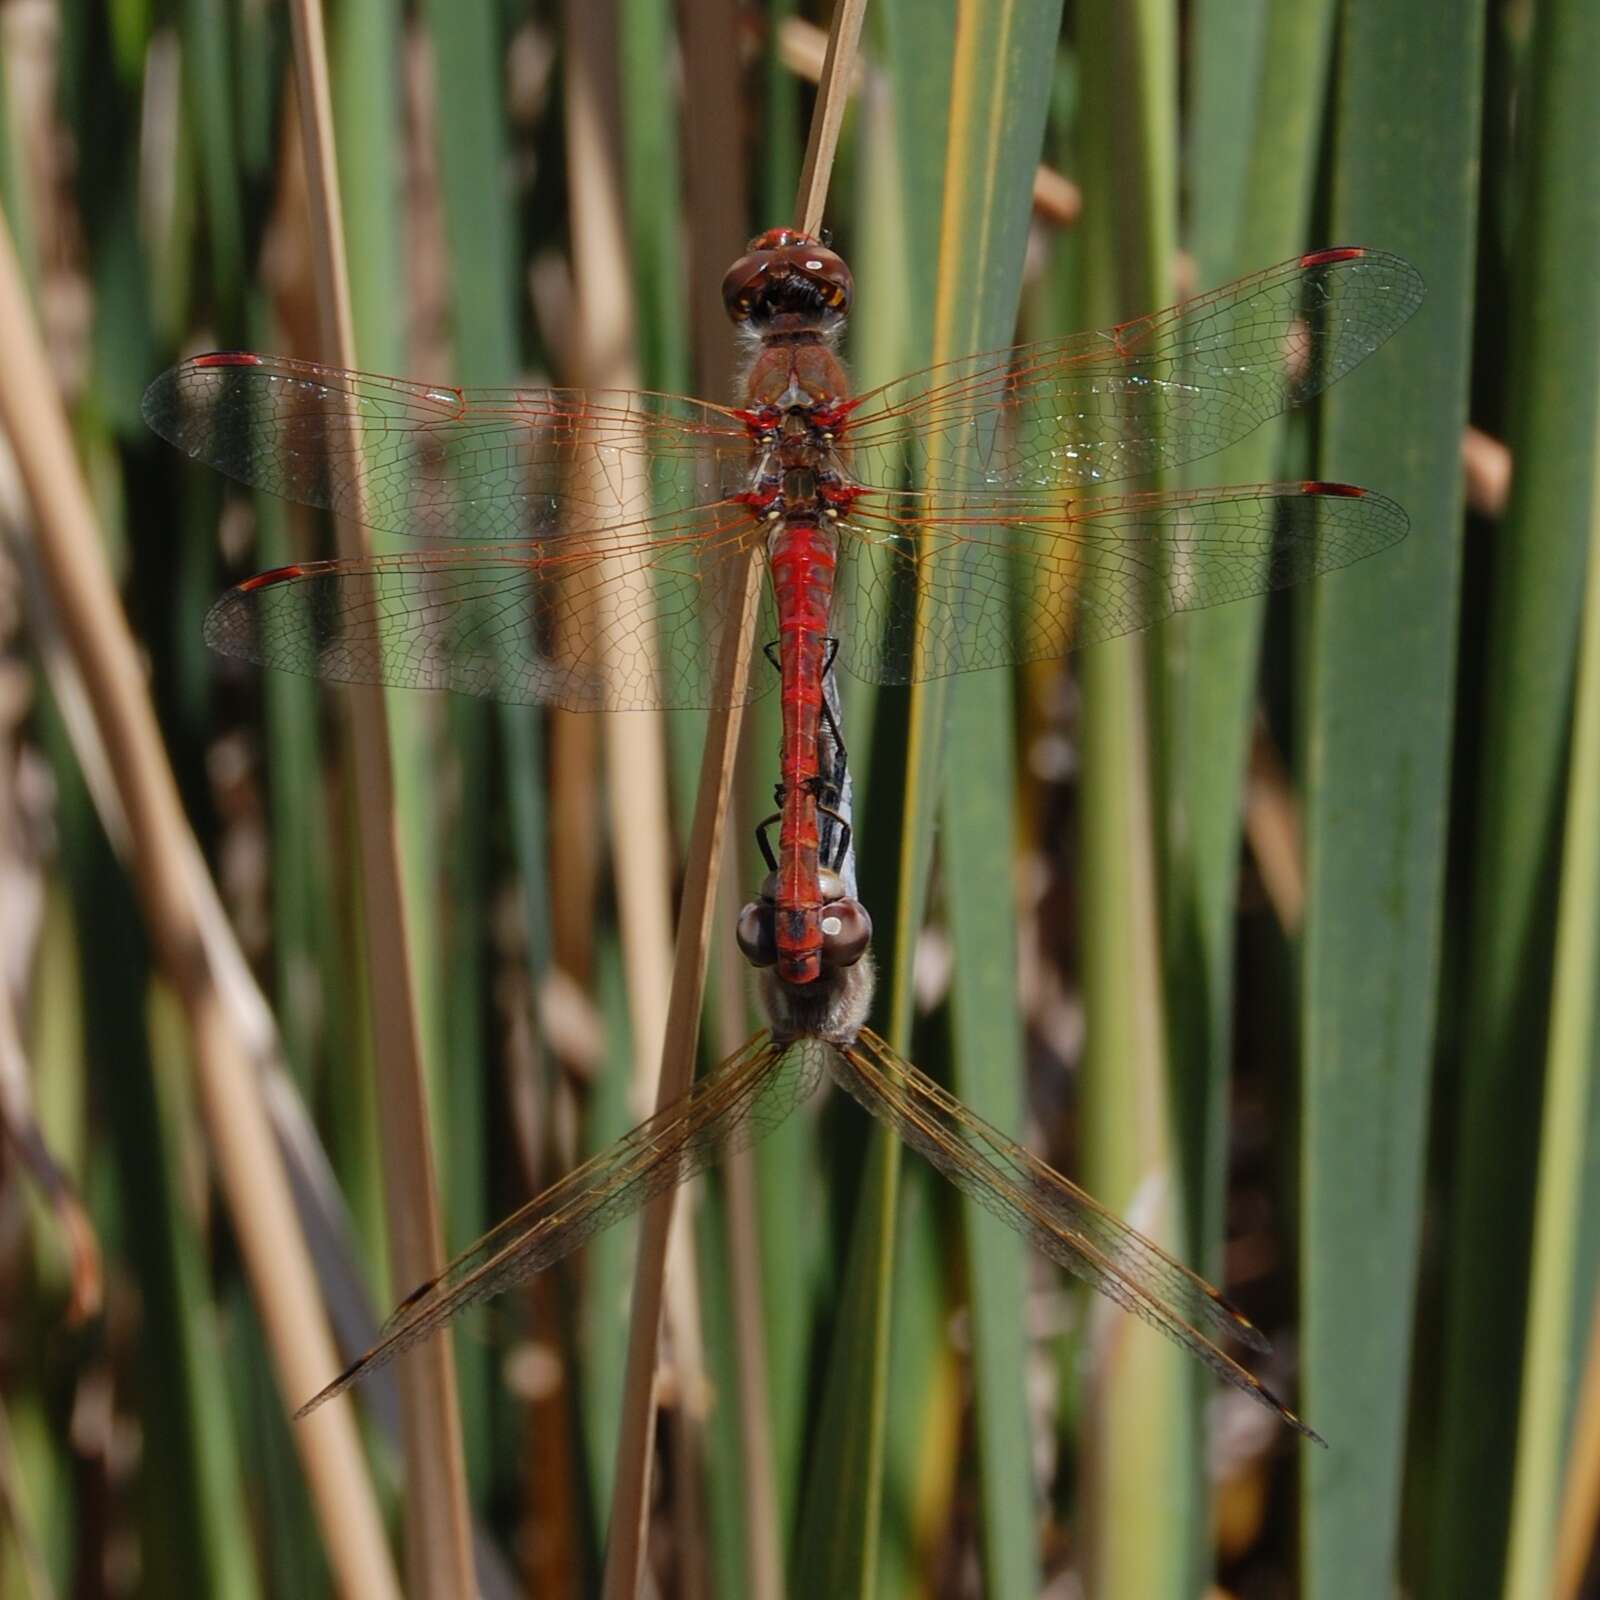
[758, 940]
[846, 933]
[741, 284]
[828, 271]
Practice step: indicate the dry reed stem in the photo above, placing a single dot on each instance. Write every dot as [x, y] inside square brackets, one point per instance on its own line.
[636, 778]
[715, 219]
[839, 68]
[803, 48]
[634, 745]
[763, 1534]
[438, 1539]
[630, 1489]
[164, 852]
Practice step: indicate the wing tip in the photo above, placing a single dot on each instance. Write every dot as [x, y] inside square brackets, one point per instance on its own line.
[1254, 1386]
[1297, 1422]
[329, 1391]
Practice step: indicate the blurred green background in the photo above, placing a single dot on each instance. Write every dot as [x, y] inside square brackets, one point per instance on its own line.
[1276, 926]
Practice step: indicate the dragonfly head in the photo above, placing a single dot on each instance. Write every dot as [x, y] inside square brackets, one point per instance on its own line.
[788, 282]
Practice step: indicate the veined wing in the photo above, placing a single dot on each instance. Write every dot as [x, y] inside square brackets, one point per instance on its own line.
[1030, 577]
[622, 619]
[446, 463]
[738, 1101]
[1102, 407]
[1056, 1215]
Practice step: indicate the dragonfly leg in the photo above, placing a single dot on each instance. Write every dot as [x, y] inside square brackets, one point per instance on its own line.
[766, 844]
[838, 757]
[842, 849]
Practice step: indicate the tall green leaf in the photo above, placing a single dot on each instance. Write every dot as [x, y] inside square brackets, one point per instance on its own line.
[1379, 709]
[997, 62]
[1553, 347]
[1139, 1506]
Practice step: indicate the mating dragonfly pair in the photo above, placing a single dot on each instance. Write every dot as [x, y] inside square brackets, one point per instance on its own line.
[589, 550]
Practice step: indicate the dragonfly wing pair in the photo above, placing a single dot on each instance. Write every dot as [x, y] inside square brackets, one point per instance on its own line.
[747, 1096]
[584, 549]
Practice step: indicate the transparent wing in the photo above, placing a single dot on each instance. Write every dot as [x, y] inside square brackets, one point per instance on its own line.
[737, 1102]
[1171, 387]
[1029, 578]
[629, 618]
[1056, 1215]
[445, 463]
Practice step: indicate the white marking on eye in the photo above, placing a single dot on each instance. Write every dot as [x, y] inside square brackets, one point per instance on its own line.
[831, 925]
[813, 266]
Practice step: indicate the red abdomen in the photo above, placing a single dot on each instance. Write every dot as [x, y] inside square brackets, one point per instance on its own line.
[802, 556]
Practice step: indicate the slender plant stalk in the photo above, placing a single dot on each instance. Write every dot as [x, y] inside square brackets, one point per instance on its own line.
[630, 1492]
[998, 110]
[439, 1558]
[1138, 1501]
[1551, 317]
[635, 757]
[1569, 1069]
[167, 865]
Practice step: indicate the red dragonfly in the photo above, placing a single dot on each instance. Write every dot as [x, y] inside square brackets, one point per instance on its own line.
[819, 1029]
[587, 550]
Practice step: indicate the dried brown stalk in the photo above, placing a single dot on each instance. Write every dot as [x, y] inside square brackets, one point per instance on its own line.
[438, 1547]
[166, 866]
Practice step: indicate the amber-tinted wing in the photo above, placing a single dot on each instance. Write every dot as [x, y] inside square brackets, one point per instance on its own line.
[443, 463]
[580, 546]
[1055, 1214]
[1029, 580]
[619, 621]
[1103, 407]
[738, 1101]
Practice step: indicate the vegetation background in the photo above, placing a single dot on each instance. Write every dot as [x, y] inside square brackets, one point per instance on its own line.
[1276, 928]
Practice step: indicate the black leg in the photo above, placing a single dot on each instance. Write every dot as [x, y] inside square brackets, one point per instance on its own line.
[762, 841]
[835, 780]
[844, 836]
